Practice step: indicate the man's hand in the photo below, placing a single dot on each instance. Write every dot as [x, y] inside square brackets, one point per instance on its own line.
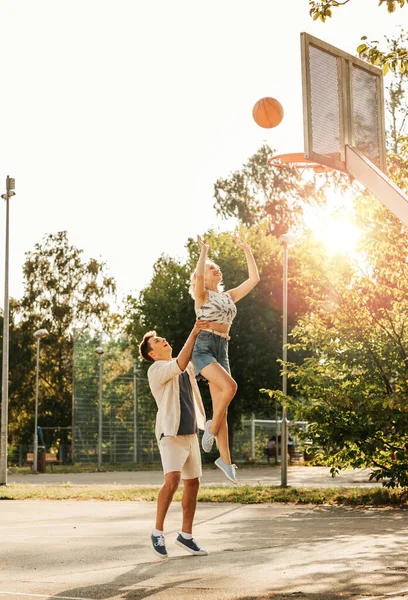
[187, 350]
[200, 325]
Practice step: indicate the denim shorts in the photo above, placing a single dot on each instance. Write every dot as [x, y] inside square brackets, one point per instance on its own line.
[210, 348]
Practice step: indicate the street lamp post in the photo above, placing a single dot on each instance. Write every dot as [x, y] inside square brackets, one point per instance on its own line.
[136, 371]
[41, 333]
[10, 187]
[286, 240]
[99, 351]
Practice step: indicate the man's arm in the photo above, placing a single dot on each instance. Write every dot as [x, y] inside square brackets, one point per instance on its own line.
[185, 354]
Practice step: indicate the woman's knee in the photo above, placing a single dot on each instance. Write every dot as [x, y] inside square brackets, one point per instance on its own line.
[232, 387]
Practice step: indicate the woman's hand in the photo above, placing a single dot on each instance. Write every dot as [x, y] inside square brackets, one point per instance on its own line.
[242, 244]
[202, 244]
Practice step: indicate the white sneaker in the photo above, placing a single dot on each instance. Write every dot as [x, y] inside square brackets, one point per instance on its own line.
[208, 438]
[228, 470]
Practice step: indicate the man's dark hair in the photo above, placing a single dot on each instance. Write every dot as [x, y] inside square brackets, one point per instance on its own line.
[145, 347]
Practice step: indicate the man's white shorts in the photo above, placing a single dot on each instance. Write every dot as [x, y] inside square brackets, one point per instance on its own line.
[181, 453]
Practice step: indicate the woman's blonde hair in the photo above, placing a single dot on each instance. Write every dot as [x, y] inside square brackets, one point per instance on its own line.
[191, 289]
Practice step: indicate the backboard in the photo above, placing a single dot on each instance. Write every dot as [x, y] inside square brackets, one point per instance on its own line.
[343, 105]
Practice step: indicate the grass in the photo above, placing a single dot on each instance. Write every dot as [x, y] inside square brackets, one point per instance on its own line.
[240, 494]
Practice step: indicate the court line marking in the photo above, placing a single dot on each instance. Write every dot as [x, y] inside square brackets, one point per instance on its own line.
[386, 595]
[45, 596]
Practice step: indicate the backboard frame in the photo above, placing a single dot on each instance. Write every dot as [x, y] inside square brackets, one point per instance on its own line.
[346, 113]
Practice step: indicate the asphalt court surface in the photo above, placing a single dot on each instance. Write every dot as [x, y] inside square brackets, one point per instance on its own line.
[100, 550]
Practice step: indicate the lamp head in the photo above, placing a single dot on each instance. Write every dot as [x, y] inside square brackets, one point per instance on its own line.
[287, 239]
[40, 333]
[99, 350]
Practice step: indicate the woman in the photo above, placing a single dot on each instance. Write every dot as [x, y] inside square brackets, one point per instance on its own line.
[210, 354]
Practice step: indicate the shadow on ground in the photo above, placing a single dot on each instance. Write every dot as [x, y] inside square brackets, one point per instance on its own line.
[325, 553]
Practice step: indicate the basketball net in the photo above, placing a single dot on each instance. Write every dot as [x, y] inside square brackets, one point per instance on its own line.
[297, 162]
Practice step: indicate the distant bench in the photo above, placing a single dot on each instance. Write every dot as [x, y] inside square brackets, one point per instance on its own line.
[50, 459]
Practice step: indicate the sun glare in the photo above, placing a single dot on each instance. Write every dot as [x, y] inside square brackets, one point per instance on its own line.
[338, 234]
[335, 230]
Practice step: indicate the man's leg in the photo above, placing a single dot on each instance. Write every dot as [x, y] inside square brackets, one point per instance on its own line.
[167, 491]
[189, 503]
[191, 474]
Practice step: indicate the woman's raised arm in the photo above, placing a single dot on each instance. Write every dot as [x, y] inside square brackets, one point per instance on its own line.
[199, 289]
[253, 275]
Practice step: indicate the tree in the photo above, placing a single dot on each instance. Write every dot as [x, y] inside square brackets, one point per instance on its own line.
[394, 59]
[21, 375]
[352, 386]
[322, 9]
[61, 292]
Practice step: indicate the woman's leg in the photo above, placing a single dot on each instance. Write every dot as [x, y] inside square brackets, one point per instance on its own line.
[227, 387]
[222, 435]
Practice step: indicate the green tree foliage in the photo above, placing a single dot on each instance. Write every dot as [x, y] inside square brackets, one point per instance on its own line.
[21, 372]
[322, 9]
[352, 387]
[61, 291]
[395, 59]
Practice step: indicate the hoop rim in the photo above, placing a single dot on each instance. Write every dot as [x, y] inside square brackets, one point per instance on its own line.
[297, 160]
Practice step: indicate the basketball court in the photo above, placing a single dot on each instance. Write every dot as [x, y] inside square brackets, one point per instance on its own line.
[95, 550]
[90, 550]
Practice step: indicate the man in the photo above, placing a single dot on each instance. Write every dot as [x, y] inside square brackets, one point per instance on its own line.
[180, 414]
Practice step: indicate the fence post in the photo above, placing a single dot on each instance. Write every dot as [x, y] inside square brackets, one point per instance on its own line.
[135, 415]
[253, 453]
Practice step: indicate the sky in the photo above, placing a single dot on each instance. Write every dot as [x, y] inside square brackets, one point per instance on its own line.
[118, 116]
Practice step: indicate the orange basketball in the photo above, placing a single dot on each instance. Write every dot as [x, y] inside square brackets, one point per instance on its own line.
[268, 112]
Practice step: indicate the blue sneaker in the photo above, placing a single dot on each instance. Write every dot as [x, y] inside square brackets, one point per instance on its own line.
[190, 545]
[208, 438]
[159, 545]
[228, 470]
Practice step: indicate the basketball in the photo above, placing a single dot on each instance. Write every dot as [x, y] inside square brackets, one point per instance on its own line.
[267, 113]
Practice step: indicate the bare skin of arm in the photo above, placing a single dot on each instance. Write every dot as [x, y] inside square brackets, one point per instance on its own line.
[200, 292]
[253, 275]
[185, 353]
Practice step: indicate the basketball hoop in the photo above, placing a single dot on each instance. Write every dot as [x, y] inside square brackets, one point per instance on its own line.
[298, 162]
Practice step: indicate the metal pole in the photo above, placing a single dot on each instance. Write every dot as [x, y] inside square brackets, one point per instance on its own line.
[99, 467]
[135, 410]
[4, 382]
[284, 436]
[73, 398]
[253, 454]
[37, 364]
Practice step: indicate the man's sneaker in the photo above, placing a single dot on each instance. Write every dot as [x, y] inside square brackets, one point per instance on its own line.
[229, 470]
[208, 438]
[190, 545]
[159, 545]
